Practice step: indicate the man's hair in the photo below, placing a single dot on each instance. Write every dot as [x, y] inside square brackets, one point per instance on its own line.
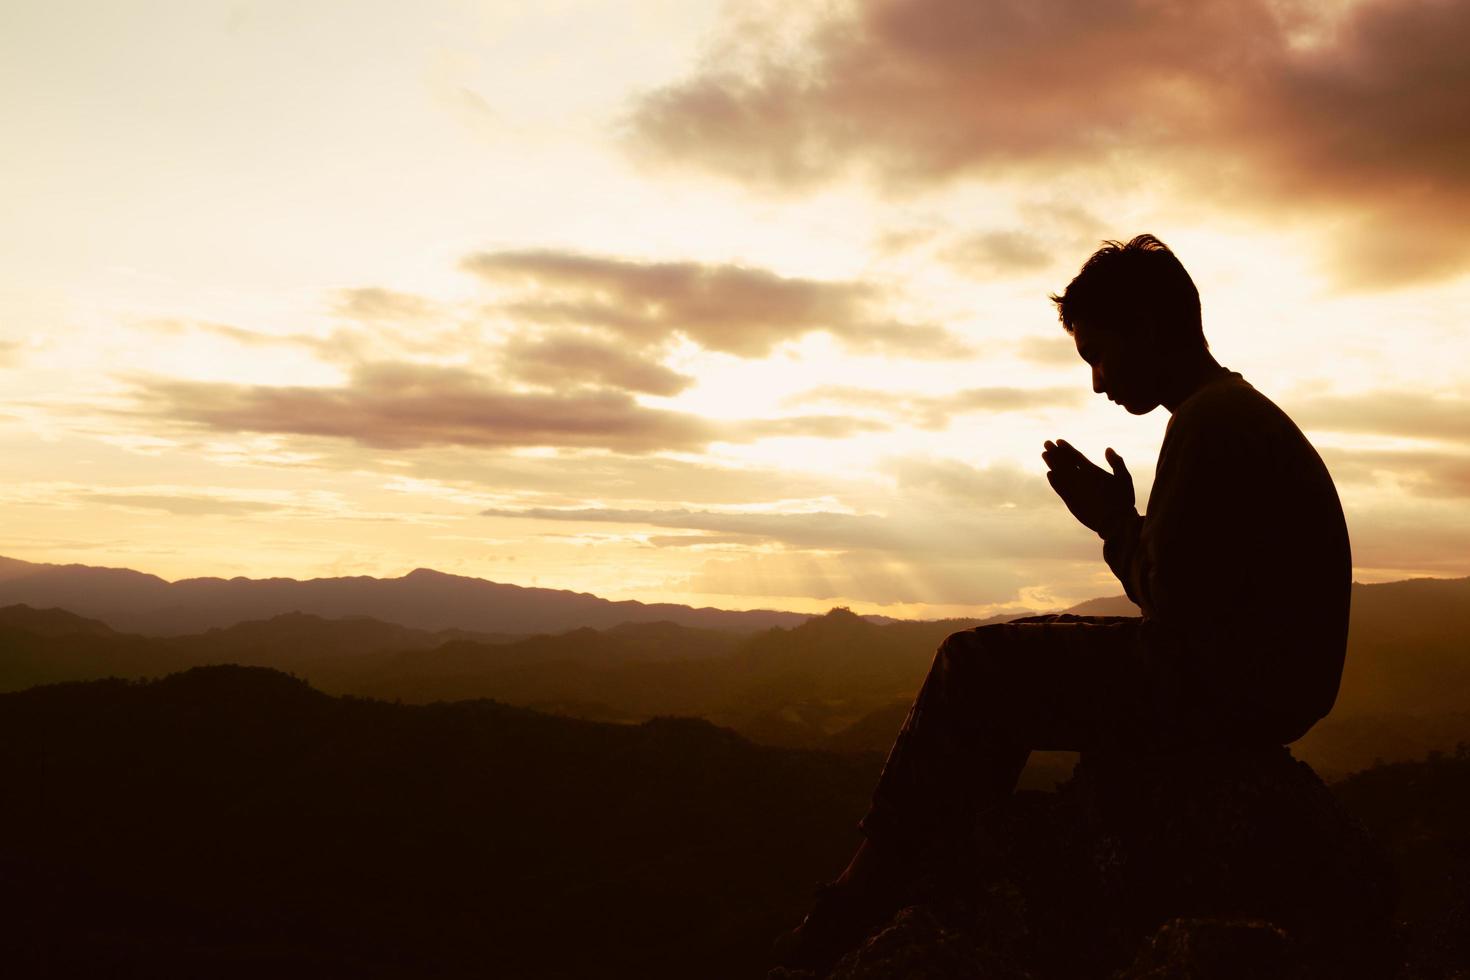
[1122, 285]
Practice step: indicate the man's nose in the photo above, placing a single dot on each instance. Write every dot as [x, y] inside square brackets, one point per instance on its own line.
[1097, 380]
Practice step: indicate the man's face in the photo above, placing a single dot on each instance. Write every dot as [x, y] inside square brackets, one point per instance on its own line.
[1124, 366]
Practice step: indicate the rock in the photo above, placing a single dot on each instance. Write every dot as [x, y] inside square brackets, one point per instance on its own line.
[1233, 834]
[1173, 866]
[1216, 949]
[984, 934]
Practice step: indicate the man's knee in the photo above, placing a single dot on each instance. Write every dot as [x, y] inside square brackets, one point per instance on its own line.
[972, 652]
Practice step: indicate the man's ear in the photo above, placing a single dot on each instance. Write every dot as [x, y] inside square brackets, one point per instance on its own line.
[1151, 332]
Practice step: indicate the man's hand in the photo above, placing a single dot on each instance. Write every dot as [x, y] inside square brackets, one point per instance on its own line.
[1097, 498]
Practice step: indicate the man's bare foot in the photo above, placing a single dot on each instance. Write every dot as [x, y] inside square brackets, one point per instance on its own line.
[863, 867]
[841, 917]
[845, 912]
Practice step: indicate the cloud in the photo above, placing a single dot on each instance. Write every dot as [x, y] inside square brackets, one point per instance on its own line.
[394, 406]
[944, 532]
[965, 485]
[695, 540]
[940, 510]
[925, 90]
[1355, 110]
[185, 505]
[998, 254]
[402, 406]
[819, 426]
[884, 580]
[561, 357]
[952, 533]
[1424, 474]
[245, 337]
[1389, 413]
[373, 304]
[568, 476]
[811, 529]
[935, 411]
[1405, 538]
[1048, 350]
[895, 241]
[249, 338]
[733, 309]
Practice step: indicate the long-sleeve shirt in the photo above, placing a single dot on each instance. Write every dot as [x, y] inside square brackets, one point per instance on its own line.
[1242, 563]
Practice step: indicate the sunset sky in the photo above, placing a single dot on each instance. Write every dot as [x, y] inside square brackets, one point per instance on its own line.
[735, 304]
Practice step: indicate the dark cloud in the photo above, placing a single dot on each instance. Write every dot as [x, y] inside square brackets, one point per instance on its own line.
[1266, 104]
[729, 308]
[403, 406]
[560, 358]
[922, 90]
[935, 411]
[1390, 413]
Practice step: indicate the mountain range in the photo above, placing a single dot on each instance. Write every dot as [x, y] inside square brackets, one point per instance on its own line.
[423, 599]
[837, 681]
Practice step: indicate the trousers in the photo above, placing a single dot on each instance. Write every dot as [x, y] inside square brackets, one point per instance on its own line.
[1062, 682]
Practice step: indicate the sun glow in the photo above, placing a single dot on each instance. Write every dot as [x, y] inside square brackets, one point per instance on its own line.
[297, 293]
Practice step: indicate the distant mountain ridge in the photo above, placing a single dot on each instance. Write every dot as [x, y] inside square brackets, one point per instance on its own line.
[423, 599]
[836, 681]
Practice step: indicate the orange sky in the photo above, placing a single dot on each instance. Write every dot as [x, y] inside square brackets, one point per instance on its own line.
[697, 302]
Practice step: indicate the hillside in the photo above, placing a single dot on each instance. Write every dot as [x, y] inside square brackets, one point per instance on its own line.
[837, 681]
[233, 821]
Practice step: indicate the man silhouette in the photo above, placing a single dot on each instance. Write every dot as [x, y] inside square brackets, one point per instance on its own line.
[1241, 567]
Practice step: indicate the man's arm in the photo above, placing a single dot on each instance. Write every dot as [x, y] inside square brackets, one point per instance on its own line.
[1097, 498]
[1202, 535]
[1124, 552]
[1103, 502]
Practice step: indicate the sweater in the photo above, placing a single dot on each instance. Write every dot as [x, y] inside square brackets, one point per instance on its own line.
[1241, 564]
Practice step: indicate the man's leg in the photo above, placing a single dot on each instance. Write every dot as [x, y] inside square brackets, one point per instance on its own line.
[991, 696]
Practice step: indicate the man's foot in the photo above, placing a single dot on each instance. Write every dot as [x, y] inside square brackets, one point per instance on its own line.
[841, 918]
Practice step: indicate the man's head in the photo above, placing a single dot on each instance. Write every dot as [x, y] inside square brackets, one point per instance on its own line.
[1134, 313]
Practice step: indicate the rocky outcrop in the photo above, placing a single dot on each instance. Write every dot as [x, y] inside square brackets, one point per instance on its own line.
[1236, 866]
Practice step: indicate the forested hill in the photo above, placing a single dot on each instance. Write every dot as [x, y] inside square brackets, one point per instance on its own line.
[832, 681]
[233, 821]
